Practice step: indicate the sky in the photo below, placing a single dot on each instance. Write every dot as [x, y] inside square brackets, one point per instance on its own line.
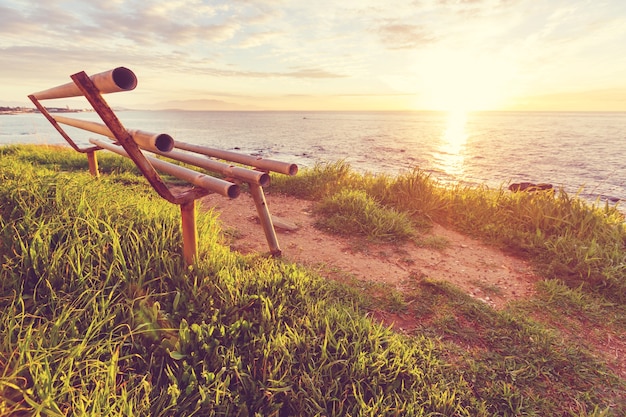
[452, 55]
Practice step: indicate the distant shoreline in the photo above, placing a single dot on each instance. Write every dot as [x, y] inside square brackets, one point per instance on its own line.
[28, 110]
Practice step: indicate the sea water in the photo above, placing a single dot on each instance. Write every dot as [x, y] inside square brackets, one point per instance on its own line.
[584, 153]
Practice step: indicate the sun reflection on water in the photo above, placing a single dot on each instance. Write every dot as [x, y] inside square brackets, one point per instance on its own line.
[451, 150]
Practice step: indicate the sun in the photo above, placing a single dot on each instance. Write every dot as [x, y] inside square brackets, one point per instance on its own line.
[460, 82]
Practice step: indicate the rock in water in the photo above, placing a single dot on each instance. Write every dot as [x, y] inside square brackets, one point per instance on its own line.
[529, 187]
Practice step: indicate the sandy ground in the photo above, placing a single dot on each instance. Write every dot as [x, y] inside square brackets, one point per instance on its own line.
[482, 271]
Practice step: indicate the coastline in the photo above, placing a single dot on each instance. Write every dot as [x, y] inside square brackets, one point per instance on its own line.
[577, 152]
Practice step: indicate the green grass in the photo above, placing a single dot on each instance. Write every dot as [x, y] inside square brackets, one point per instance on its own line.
[100, 316]
[581, 244]
[354, 213]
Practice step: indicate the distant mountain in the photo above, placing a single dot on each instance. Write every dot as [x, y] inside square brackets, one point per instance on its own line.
[203, 104]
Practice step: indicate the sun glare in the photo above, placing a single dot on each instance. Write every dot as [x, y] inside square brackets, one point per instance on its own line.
[450, 155]
[455, 136]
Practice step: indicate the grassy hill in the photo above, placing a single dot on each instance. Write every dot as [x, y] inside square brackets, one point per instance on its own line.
[100, 316]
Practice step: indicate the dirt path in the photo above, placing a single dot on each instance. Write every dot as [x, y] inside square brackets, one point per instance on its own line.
[482, 271]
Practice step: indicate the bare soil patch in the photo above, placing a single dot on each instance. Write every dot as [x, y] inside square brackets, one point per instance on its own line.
[482, 271]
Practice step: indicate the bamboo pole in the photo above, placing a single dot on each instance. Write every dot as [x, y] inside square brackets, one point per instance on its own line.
[112, 81]
[93, 163]
[161, 142]
[190, 231]
[224, 188]
[59, 129]
[266, 219]
[243, 174]
[257, 162]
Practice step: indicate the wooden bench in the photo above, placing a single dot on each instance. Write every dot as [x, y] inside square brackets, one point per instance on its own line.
[134, 143]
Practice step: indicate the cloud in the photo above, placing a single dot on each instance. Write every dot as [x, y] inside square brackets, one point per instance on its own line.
[160, 26]
[587, 100]
[24, 59]
[258, 39]
[11, 21]
[202, 104]
[141, 23]
[477, 8]
[405, 36]
[27, 61]
[310, 73]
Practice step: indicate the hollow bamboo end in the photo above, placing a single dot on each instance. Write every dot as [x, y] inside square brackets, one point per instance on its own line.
[264, 179]
[164, 142]
[124, 78]
[234, 191]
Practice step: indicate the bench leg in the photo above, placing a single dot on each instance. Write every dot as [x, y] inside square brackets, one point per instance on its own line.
[93, 164]
[190, 231]
[266, 219]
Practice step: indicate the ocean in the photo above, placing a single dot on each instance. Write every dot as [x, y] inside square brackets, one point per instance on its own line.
[583, 153]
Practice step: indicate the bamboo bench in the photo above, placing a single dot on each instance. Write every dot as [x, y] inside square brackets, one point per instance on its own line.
[134, 143]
